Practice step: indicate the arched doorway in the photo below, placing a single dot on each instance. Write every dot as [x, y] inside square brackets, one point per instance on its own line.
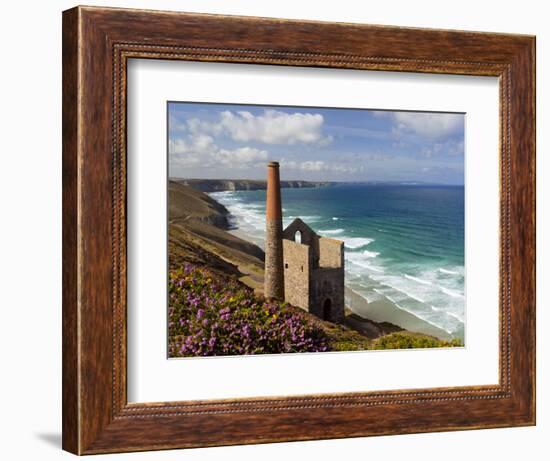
[327, 305]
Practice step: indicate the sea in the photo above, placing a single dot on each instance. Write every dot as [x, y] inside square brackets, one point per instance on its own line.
[403, 243]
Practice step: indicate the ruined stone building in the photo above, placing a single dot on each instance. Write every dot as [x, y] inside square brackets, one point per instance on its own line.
[301, 267]
[313, 271]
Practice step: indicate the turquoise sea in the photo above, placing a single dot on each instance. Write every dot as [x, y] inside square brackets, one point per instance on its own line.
[403, 243]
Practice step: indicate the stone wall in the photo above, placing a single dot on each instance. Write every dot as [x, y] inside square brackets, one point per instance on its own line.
[309, 237]
[327, 289]
[296, 258]
[331, 252]
[314, 272]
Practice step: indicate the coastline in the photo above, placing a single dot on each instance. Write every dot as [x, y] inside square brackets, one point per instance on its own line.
[378, 311]
[385, 311]
[222, 185]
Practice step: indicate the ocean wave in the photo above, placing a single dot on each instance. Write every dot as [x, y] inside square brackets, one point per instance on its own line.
[406, 286]
[456, 317]
[410, 295]
[449, 313]
[447, 271]
[365, 266]
[331, 231]
[447, 291]
[446, 329]
[225, 193]
[418, 280]
[334, 218]
[423, 288]
[412, 312]
[452, 293]
[419, 293]
[354, 243]
[385, 295]
[371, 254]
[307, 219]
[245, 215]
[360, 260]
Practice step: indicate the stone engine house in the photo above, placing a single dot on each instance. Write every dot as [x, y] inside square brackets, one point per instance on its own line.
[313, 271]
[301, 267]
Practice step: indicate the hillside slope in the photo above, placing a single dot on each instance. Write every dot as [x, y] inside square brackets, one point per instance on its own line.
[197, 234]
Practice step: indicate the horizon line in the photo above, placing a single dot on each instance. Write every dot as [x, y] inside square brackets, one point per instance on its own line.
[369, 181]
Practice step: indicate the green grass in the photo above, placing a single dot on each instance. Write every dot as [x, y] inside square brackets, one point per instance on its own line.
[408, 340]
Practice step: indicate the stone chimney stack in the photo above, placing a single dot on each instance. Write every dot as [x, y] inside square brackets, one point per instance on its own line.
[274, 273]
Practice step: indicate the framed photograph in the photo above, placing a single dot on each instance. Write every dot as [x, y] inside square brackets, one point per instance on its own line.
[282, 230]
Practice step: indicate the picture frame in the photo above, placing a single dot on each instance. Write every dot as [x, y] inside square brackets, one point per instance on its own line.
[97, 44]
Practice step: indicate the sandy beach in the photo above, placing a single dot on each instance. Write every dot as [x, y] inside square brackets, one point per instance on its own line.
[385, 311]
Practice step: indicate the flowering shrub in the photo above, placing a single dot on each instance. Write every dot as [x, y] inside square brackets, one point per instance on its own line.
[209, 315]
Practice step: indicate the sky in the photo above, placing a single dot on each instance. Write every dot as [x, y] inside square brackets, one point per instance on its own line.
[227, 141]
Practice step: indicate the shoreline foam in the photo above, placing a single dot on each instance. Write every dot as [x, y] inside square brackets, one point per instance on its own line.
[383, 310]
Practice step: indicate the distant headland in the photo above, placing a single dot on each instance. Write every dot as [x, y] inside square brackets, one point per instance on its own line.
[219, 185]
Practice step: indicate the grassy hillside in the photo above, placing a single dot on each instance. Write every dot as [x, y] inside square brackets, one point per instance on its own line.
[215, 315]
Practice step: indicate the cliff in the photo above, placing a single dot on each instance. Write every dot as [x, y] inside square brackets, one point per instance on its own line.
[197, 234]
[218, 185]
[186, 204]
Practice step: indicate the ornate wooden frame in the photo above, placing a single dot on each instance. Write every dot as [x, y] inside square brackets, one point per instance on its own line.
[97, 43]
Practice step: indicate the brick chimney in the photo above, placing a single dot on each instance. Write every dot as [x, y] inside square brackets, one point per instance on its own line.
[274, 287]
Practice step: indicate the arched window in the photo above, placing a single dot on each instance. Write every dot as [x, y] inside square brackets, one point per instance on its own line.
[298, 237]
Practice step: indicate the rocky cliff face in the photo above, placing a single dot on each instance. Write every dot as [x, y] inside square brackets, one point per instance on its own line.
[187, 204]
[218, 185]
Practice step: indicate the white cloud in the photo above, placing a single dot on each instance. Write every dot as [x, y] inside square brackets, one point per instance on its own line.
[176, 125]
[427, 124]
[201, 151]
[442, 169]
[271, 127]
[197, 127]
[322, 166]
[317, 165]
[246, 154]
[449, 149]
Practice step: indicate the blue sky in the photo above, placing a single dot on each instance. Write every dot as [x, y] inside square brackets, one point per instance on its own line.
[218, 141]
